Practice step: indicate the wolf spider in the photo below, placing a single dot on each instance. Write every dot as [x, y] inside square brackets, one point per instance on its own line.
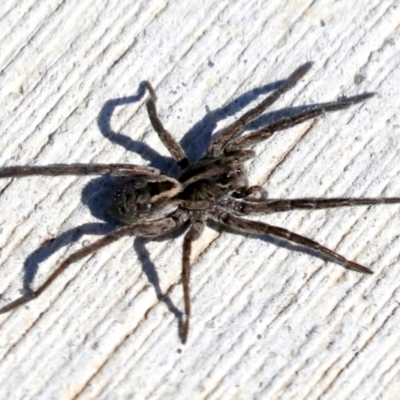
[213, 188]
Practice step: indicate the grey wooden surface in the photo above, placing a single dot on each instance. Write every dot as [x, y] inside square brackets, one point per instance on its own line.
[269, 321]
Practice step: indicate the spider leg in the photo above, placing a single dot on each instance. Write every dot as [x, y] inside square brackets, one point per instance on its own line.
[240, 207]
[216, 146]
[194, 232]
[153, 229]
[287, 122]
[255, 227]
[88, 169]
[169, 142]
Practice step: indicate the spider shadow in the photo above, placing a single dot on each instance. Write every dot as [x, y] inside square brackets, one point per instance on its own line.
[96, 194]
[155, 159]
[150, 271]
[194, 141]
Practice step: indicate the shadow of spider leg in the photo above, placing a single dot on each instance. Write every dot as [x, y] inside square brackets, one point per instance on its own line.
[217, 145]
[144, 229]
[152, 229]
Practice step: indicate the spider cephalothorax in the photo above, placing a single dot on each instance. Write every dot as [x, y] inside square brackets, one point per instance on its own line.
[213, 188]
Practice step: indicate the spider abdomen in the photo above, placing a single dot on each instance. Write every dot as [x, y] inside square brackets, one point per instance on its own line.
[145, 200]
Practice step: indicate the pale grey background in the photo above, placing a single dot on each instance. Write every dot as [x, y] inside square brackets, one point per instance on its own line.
[268, 322]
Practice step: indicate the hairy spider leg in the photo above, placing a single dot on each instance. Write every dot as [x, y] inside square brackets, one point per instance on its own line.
[287, 122]
[194, 232]
[87, 169]
[240, 207]
[152, 229]
[169, 142]
[255, 227]
[217, 145]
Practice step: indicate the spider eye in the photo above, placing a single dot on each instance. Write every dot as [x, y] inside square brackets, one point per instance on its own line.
[225, 178]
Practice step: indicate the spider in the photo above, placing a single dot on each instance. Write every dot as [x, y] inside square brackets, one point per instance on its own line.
[214, 188]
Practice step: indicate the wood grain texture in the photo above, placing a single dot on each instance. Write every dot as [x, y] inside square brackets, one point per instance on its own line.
[268, 321]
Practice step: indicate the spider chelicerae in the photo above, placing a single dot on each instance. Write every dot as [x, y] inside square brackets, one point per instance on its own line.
[214, 188]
